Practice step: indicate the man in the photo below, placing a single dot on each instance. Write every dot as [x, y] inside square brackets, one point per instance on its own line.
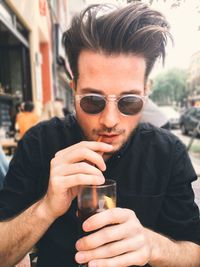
[156, 223]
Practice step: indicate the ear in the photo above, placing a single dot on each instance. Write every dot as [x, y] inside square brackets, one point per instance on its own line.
[148, 86]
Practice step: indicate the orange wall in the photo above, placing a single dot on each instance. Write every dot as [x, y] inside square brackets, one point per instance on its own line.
[46, 75]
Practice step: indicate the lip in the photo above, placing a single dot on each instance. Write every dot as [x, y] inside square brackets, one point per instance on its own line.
[107, 138]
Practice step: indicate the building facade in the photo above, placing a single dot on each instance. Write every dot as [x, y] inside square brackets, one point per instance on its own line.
[32, 60]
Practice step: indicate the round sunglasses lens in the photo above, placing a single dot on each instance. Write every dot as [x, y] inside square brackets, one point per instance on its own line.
[130, 105]
[92, 104]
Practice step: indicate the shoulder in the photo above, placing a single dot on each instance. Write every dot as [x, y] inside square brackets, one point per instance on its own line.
[52, 126]
[53, 135]
[145, 129]
[158, 138]
[162, 150]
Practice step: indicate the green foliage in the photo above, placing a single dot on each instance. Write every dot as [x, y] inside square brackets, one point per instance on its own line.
[169, 87]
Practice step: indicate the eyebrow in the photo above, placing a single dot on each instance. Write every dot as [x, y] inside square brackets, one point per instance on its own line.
[97, 91]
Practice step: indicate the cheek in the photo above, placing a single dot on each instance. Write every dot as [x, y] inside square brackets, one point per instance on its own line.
[136, 120]
[131, 122]
[87, 122]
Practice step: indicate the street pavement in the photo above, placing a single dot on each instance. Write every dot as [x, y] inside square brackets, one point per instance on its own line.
[195, 158]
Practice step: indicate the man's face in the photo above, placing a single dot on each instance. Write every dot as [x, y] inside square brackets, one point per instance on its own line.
[109, 75]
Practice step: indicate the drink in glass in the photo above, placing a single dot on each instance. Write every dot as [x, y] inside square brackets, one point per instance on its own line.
[93, 199]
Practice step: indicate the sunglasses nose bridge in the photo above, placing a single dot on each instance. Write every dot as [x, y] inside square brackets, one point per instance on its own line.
[111, 98]
[111, 103]
[110, 115]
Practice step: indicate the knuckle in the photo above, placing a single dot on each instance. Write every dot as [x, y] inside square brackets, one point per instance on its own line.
[52, 162]
[144, 257]
[113, 213]
[141, 241]
[79, 177]
[130, 213]
[107, 234]
[55, 170]
[83, 143]
[80, 166]
[146, 253]
[84, 152]
[56, 181]
[86, 243]
[111, 250]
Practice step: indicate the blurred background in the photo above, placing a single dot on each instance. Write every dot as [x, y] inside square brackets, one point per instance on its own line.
[33, 66]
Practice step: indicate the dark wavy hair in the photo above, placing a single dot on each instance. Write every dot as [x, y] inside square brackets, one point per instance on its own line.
[133, 29]
[28, 106]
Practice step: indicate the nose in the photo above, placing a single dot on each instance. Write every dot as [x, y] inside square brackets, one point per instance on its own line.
[110, 116]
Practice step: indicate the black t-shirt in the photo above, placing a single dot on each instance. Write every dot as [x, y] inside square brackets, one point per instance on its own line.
[153, 174]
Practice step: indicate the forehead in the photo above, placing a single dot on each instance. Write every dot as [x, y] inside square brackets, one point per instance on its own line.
[111, 73]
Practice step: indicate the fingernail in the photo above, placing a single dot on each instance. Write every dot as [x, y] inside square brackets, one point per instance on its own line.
[86, 226]
[80, 257]
[78, 243]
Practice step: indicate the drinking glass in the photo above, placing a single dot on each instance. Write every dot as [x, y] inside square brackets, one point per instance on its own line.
[93, 199]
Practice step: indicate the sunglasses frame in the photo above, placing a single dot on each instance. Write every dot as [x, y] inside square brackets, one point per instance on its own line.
[113, 98]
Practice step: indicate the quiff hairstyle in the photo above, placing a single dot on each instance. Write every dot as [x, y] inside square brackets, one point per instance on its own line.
[132, 29]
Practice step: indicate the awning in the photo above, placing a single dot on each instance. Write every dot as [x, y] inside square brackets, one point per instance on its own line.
[14, 31]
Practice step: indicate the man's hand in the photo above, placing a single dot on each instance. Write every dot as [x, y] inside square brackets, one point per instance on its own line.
[76, 165]
[121, 240]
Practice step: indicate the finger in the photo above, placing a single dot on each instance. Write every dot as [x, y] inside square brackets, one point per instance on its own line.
[108, 234]
[70, 169]
[111, 249]
[82, 154]
[92, 145]
[107, 217]
[139, 258]
[76, 180]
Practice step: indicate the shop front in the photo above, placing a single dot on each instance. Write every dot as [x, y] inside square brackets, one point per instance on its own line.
[15, 74]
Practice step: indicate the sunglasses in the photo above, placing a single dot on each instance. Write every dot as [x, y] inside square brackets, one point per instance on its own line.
[127, 104]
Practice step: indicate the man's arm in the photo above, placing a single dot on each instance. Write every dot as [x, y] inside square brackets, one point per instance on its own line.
[122, 241]
[20, 234]
[171, 253]
[67, 171]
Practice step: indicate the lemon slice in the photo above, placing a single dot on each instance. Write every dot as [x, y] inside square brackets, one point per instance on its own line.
[110, 203]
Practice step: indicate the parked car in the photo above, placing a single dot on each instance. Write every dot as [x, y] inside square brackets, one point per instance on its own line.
[172, 115]
[189, 120]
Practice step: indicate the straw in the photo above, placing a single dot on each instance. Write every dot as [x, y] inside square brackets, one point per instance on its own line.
[99, 138]
[94, 192]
